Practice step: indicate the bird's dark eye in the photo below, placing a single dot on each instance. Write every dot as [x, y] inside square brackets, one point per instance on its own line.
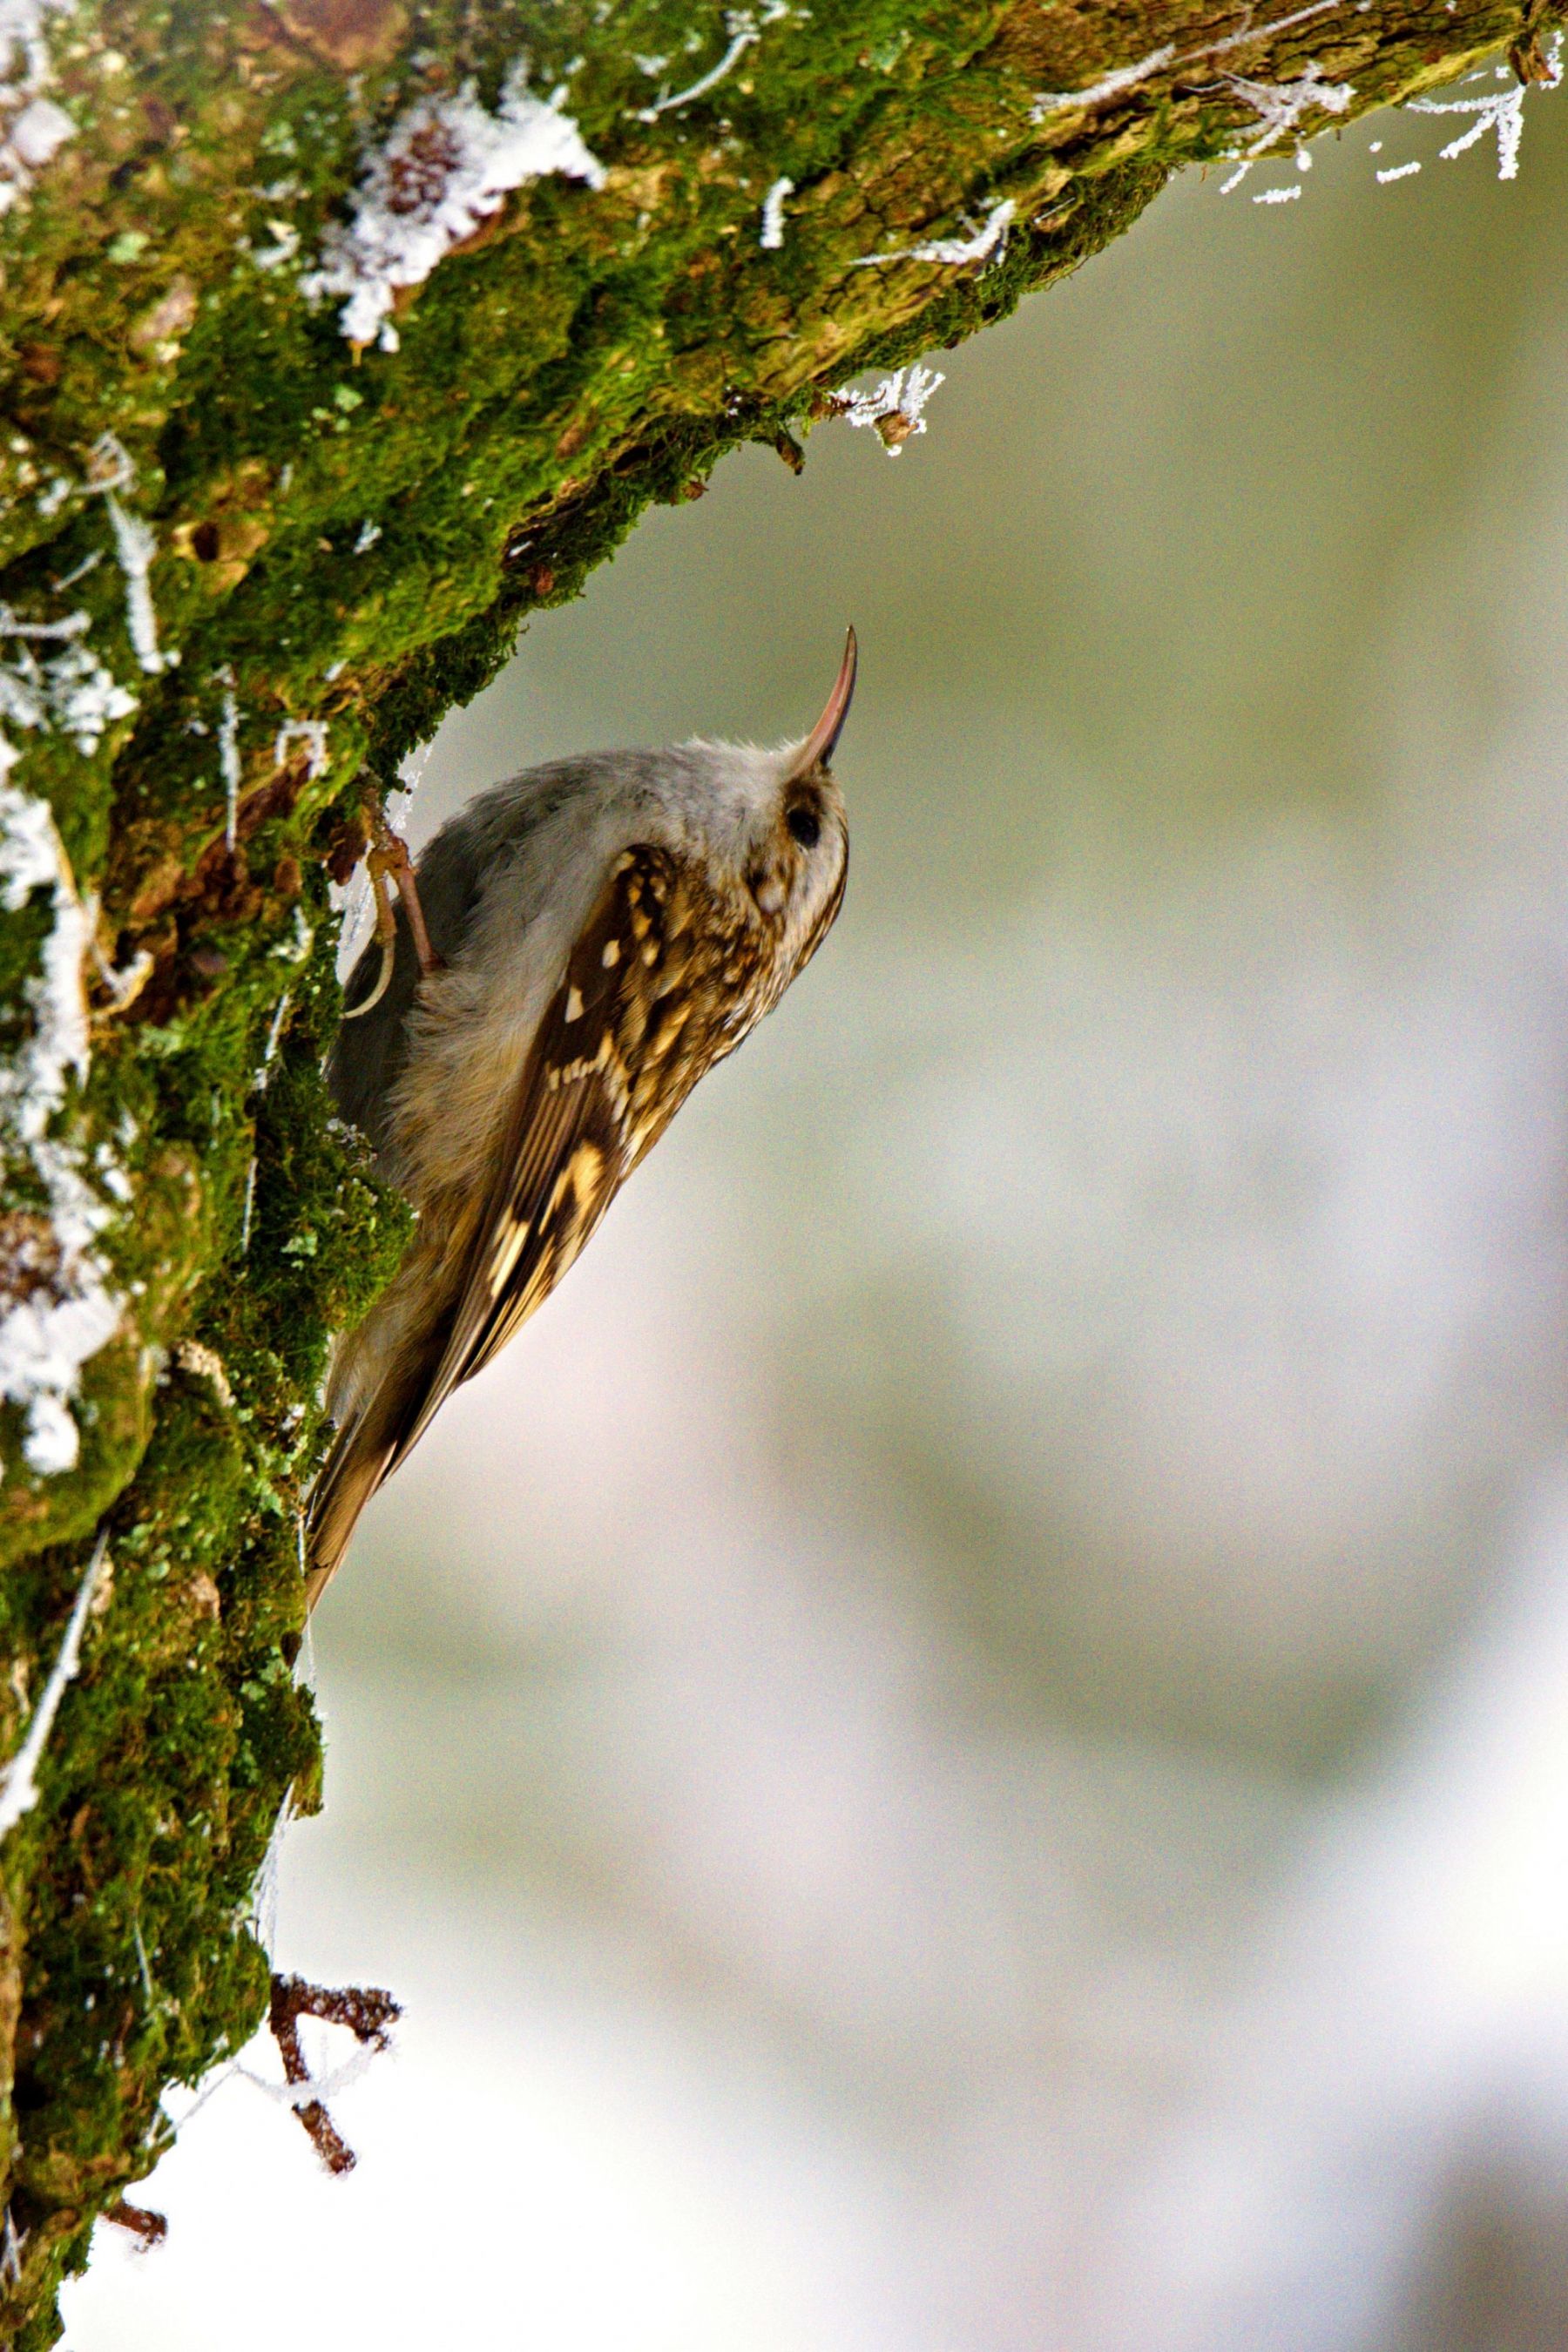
[806, 825]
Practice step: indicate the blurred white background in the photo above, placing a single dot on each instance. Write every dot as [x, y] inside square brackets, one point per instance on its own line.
[964, 1749]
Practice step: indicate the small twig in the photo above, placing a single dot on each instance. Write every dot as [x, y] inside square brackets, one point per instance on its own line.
[366, 2012]
[148, 2228]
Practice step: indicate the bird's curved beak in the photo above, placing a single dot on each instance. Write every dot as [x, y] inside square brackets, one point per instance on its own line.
[817, 748]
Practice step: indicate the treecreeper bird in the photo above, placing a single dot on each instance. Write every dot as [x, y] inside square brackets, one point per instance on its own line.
[572, 953]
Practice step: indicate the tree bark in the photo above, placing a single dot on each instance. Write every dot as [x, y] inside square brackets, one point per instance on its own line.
[334, 344]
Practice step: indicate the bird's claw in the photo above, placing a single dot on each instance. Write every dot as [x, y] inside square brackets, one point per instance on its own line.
[389, 861]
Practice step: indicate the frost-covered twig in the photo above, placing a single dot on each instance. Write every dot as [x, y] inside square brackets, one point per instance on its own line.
[19, 1785]
[990, 239]
[56, 1309]
[249, 1208]
[37, 128]
[771, 236]
[69, 688]
[1501, 110]
[895, 407]
[744, 27]
[312, 733]
[273, 1035]
[1125, 77]
[1280, 107]
[443, 168]
[111, 469]
[229, 761]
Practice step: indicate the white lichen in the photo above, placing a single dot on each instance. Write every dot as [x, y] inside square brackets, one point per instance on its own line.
[19, 1784]
[986, 243]
[369, 533]
[1397, 171]
[446, 165]
[771, 236]
[895, 407]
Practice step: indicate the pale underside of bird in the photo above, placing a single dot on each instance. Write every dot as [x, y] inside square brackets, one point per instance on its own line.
[588, 939]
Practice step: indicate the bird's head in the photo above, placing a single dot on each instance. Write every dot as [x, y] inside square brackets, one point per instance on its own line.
[797, 849]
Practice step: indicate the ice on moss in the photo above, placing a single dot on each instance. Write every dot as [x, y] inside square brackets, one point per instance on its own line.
[56, 1307]
[446, 165]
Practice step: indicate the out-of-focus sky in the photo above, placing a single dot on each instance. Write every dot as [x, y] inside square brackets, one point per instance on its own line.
[964, 1749]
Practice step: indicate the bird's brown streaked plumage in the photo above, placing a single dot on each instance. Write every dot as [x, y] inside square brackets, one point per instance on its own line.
[685, 948]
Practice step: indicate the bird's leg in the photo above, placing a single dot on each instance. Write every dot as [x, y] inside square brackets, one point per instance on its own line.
[388, 860]
[385, 933]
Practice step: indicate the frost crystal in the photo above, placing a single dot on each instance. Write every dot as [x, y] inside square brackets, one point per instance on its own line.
[896, 407]
[1500, 110]
[954, 252]
[1280, 107]
[69, 688]
[446, 166]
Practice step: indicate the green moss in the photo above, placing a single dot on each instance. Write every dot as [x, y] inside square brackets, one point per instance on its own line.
[353, 540]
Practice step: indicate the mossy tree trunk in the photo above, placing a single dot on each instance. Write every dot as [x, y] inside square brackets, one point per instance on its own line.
[247, 553]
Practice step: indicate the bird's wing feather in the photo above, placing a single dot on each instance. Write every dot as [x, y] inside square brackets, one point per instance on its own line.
[576, 1129]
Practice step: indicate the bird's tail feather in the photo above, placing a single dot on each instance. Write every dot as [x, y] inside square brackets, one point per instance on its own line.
[359, 1460]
